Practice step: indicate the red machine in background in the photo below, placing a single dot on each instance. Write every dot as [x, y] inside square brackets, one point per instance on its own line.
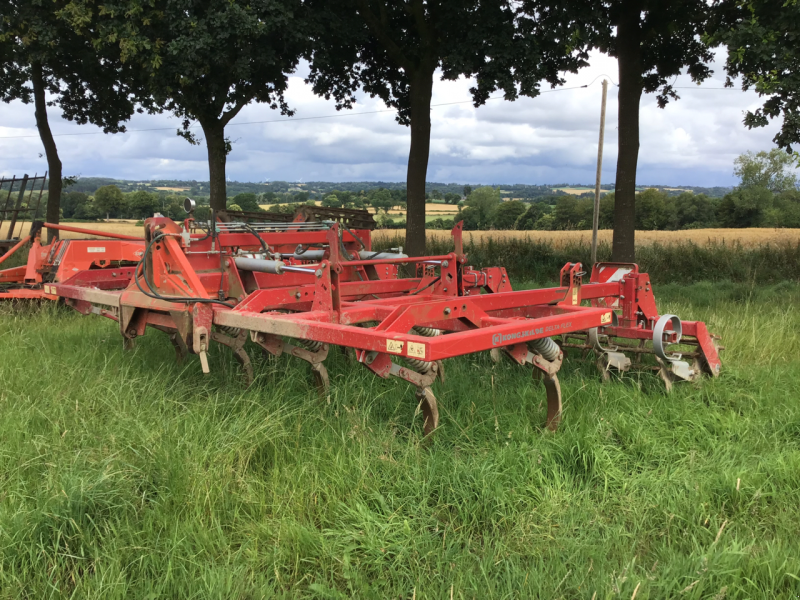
[300, 286]
[63, 258]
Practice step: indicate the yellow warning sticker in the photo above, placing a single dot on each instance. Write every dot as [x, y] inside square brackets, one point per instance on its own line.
[394, 346]
[605, 318]
[574, 295]
[416, 350]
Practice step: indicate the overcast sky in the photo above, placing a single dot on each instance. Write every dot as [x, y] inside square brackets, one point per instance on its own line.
[544, 140]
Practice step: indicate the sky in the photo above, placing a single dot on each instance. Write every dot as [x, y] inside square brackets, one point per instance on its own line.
[544, 140]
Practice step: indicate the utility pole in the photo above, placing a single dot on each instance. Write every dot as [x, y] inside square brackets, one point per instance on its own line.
[596, 216]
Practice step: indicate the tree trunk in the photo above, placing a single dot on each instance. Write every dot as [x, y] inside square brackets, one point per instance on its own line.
[420, 92]
[629, 57]
[53, 162]
[215, 142]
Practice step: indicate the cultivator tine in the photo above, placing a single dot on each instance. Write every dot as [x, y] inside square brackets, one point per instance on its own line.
[553, 390]
[314, 353]
[181, 350]
[235, 339]
[429, 408]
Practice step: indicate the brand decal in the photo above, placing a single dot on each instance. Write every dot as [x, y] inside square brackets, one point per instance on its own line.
[96, 249]
[499, 338]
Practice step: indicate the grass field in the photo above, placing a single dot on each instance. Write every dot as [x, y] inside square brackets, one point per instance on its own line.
[124, 475]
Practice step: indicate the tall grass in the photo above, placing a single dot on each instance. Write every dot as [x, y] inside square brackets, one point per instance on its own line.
[684, 262]
[125, 475]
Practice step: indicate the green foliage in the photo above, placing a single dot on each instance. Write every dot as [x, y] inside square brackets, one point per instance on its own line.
[507, 213]
[481, 206]
[331, 200]
[141, 204]
[202, 61]
[745, 207]
[109, 200]
[762, 40]
[775, 170]
[381, 199]
[71, 201]
[248, 201]
[234, 206]
[143, 478]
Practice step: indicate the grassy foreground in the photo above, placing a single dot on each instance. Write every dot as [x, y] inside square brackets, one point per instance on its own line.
[124, 475]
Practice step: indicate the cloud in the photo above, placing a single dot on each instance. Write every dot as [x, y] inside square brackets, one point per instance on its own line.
[548, 139]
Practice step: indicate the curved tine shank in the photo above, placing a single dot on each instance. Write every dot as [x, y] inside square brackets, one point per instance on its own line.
[553, 390]
[430, 410]
[180, 348]
[321, 380]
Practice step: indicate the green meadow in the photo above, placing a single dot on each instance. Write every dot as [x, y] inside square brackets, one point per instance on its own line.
[126, 475]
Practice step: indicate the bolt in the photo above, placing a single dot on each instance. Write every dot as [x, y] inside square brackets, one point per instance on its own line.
[318, 273]
[445, 263]
[445, 289]
[298, 295]
[447, 311]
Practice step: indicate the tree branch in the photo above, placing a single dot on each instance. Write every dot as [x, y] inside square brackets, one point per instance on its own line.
[380, 32]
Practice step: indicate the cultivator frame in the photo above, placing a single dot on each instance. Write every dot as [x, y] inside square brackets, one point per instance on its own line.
[63, 258]
[299, 287]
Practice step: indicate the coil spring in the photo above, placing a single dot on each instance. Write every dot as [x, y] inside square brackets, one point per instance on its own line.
[546, 347]
[421, 366]
[231, 331]
[426, 331]
[309, 344]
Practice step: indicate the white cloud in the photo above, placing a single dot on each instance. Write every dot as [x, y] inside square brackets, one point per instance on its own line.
[548, 139]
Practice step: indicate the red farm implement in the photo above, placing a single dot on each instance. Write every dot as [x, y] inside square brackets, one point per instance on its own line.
[63, 258]
[299, 287]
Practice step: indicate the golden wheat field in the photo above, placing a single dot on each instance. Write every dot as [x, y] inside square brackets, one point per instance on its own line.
[746, 237]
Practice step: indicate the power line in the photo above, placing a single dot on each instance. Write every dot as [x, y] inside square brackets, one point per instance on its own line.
[339, 115]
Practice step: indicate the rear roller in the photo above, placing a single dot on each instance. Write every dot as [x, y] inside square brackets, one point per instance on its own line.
[429, 408]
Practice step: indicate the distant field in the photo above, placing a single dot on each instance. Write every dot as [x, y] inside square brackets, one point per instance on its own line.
[746, 237]
[172, 189]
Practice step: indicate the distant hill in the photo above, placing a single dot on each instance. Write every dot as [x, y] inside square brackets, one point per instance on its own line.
[193, 188]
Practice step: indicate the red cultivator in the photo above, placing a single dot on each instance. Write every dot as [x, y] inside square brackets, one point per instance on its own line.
[62, 259]
[299, 287]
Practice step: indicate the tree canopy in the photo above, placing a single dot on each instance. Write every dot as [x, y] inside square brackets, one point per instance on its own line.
[202, 60]
[46, 62]
[653, 42]
[392, 49]
[763, 40]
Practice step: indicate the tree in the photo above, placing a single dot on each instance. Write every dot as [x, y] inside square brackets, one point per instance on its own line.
[695, 211]
[141, 204]
[248, 201]
[331, 201]
[745, 207]
[381, 199]
[467, 190]
[452, 198]
[762, 39]
[506, 215]
[774, 170]
[392, 49]
[654, 211]
[71, 201]
[653, 42]
[203, 61]
[47, 63]
[481, 207]
[109, 200]
[528, 219]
